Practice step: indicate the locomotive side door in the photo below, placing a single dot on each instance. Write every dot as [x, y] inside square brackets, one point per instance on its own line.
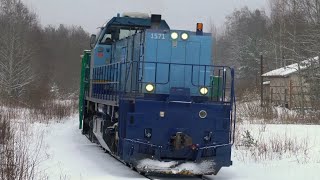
[101, 55]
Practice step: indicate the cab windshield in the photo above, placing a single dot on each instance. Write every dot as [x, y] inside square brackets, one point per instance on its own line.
[107, 39]
[115, 34]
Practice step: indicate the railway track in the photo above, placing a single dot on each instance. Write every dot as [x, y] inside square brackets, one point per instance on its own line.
[175, 177]
[155, 177]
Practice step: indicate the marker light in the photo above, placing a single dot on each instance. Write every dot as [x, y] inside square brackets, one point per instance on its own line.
[149, 87]
[184, 36]
[203, 114]
[204, 91]
[194, 147]
[174, 35]
[199, 27]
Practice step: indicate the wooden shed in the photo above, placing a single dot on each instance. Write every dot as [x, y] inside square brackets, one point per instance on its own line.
[287, 86]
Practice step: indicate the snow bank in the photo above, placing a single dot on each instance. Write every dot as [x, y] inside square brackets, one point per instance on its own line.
[72, 156]
[294, 143]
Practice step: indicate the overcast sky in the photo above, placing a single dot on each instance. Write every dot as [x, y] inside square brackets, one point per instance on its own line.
[180, 14]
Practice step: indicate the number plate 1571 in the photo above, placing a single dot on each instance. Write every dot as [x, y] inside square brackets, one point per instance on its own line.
[157, 36]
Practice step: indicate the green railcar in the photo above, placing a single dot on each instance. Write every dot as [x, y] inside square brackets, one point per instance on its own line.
[84, 83]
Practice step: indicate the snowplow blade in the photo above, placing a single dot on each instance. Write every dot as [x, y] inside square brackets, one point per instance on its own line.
[177, 168]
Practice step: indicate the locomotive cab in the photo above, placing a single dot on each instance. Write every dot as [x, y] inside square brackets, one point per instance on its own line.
[151, 96]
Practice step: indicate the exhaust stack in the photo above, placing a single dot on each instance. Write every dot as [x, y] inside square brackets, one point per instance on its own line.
[155, 21]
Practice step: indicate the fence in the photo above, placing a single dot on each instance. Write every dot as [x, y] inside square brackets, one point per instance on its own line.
[292, 97]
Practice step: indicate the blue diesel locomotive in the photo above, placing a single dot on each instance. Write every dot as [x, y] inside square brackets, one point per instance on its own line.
[152, 98]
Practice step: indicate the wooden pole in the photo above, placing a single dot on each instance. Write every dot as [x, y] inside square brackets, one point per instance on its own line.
[261, 83]
[290, 96]
[286, 105]
[271, 96]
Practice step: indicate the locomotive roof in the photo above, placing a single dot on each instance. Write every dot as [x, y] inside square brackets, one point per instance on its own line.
[130, 22]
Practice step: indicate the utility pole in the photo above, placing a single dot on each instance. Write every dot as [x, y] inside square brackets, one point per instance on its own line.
[261, 80]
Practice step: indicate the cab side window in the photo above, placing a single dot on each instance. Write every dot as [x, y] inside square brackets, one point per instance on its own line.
[107, 39]
[125, 33]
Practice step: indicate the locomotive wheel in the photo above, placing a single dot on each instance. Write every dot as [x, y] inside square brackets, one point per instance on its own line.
[110, 137]
[142, 173]
[92, 137]
[86, 127]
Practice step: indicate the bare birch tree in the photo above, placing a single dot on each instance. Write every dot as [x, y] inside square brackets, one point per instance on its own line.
[16, 50]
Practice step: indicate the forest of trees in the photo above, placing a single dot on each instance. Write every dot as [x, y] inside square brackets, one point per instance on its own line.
[36, 60]
[287, 34]
[39, 64]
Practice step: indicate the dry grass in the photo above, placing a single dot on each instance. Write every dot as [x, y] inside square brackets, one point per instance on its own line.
[249, 109]
[259, 144]
[54, 110]
[21, 146]
[254, 113]
[19, 152]
[264, 146]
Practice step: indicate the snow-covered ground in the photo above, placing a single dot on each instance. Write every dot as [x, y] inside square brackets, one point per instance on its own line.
[72, 156]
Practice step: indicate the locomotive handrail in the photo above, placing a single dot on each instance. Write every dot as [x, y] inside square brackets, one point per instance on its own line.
[234, 120]
[169, 68]
[156, 63]
[128, 62]
[233, 108]
[113, 74]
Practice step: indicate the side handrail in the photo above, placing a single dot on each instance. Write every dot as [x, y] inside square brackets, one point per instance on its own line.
[138, 81]
[169, 68]
[233, 108]
[234, 120]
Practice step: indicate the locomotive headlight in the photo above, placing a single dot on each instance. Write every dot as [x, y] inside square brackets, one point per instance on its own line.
[184, 36]
[174, 35]
[203, 114]
[149, 87]
[204, 91]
